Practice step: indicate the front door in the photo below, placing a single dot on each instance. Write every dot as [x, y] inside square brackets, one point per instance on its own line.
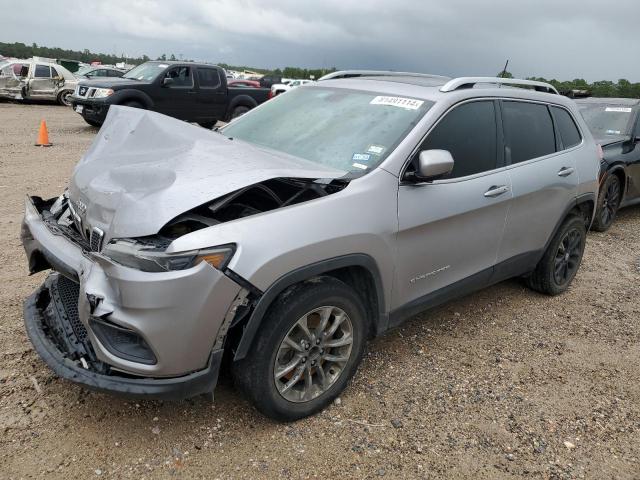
[178, 98]
[450, 229]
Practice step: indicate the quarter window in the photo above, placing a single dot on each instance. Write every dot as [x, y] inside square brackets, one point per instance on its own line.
[42, 71]
[469, 133]
[208, 78]
[569, 133]
[528, 131]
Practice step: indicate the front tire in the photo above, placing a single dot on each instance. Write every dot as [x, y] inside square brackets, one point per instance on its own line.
[308, 348]
[133, 104]
[561, 260]
[93, 123]
[608, 204]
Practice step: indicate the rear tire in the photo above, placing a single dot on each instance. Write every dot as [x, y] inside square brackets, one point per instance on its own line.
[561, 260]
[318, 371]
[63, 98]
[608, 204]
[239, 111]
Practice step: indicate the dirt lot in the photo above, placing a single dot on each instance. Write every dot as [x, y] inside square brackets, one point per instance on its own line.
[502, 384]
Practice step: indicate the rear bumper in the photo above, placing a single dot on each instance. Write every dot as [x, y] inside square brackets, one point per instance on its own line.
[45, 323]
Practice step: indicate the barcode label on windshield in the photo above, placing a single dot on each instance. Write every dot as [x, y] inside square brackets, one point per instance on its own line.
[618, 109]
[408, 103]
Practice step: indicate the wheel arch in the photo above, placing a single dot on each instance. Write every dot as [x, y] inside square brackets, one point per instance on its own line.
[136, 96]
[619, 171]
[241, 101]
[360, 271]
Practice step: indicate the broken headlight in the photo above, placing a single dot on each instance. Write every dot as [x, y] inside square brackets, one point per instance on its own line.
[150, 258]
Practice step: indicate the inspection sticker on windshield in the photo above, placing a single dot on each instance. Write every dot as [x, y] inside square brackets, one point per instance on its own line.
[360, 166]
[361, 157]
[375, 149]
[618, 109]
[408, 103]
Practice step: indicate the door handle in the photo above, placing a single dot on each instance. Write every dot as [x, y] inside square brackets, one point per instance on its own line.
[191, 91]
[566, 171]
[496, 191]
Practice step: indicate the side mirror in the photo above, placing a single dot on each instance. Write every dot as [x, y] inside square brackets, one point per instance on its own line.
[167, 81]
[433, 164]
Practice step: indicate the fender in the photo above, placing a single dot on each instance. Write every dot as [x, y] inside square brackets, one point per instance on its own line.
[304, 273]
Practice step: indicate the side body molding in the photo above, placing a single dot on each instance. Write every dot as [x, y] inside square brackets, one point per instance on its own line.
[379, 323]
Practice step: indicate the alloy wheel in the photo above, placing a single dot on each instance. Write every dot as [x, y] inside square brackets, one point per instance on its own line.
[610, 202]
[313, 354]
[568, 256]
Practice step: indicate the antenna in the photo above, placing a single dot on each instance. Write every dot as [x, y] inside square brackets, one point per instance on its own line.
[504, 70]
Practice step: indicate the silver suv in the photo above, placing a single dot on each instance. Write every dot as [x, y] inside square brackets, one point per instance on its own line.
[287, 239]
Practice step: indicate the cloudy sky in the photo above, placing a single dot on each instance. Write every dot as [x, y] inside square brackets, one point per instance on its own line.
[561, 39]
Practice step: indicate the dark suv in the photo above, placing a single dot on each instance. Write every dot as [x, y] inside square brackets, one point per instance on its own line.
[615, 125]
[195, 92]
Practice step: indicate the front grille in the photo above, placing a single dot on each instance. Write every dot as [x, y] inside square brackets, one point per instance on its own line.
[69, 294]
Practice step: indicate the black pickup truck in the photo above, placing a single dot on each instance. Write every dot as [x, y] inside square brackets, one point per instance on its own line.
[194, 92]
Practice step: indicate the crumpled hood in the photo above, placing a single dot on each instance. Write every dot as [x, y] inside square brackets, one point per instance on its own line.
[144, 169]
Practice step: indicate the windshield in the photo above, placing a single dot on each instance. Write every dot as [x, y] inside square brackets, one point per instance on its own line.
[345, 129]
[605, 119]
[146, 71]
[84, 70]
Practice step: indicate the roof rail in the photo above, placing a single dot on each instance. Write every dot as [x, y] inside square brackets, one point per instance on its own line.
[378, 73]
[469, 82]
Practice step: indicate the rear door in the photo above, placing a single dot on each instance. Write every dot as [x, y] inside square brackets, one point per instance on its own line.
[178, 99]
[450, 229]
[212, 103]
[543, 176]
[42, 83]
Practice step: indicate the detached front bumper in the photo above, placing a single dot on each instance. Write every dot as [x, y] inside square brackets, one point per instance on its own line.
[178, 318]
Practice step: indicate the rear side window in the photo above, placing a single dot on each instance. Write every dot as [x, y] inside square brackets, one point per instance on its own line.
[42, 71]
[528, 131]
[569, 133]
[469, 133]
[54, 73]
[208, 78]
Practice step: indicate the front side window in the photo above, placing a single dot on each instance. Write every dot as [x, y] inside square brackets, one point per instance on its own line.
[569, 133]
[528, 131]
[42, 71]
[469, 133]
[181, 77]
[209, 78]
[351, 130]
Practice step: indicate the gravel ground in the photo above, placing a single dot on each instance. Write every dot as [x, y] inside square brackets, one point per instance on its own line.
[505, 383]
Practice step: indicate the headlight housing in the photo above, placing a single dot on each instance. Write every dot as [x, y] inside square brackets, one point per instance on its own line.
[102, 92]
[148, 257]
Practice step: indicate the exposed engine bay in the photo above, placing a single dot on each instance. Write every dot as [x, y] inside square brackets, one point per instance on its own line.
[251, 200]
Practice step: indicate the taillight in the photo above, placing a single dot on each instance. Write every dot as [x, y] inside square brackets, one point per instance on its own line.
[270, 94]
[600, 152]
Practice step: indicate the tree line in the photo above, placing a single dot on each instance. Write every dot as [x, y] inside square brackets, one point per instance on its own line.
[602, 88]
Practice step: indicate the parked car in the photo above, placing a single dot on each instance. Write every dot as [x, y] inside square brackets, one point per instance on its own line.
[36, 80]
[615, 124]
[195, 92]
[100, 71]
[299, 231]
[244, 83]
[279, 88]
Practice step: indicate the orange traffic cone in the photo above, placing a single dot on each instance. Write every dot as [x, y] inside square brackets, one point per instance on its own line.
[43, 136]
